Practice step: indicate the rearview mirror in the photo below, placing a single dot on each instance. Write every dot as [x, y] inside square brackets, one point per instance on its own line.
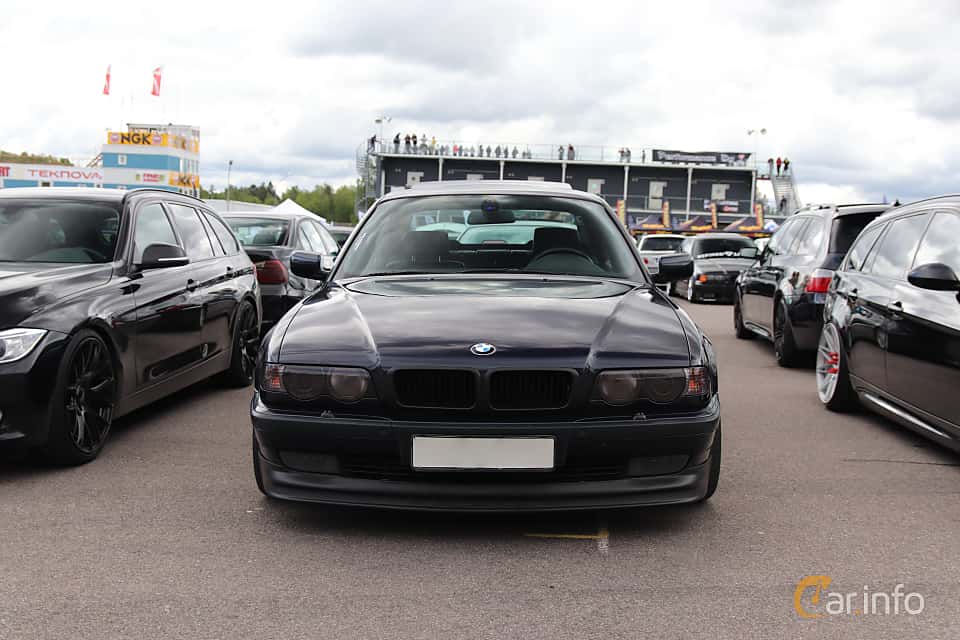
[160, 255]
[749, 253]
[935, 276]
[673, 268]
[308, 265]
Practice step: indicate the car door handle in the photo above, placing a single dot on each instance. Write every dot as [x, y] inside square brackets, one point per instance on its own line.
[192, 285]
[852, 295]
[896, 306]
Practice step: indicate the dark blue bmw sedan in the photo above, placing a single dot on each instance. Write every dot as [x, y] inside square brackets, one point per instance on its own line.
[528, 363]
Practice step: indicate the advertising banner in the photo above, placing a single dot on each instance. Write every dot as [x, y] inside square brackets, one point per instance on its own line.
[735, 158]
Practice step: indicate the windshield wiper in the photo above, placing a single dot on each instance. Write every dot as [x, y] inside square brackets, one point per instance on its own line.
[401, 273]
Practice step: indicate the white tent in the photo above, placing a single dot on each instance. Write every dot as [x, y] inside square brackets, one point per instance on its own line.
[289, 206]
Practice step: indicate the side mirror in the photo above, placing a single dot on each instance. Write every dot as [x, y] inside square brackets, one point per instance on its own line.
[673, 268]
[934, 276]
[749, 253]
[308, 265]
[160, 256]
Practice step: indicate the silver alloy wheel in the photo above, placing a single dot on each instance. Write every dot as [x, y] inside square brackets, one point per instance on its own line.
[690, 290]
[828, 363]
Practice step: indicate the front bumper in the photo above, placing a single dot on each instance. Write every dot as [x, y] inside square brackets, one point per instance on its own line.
[721, 291]
[599, 464]
[27, 389]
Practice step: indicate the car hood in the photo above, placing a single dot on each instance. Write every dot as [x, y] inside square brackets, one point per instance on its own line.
[722, 265]
[27, 288]
[426, 322]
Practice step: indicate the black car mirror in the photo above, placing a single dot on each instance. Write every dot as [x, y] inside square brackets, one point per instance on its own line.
[673, 268]
[308, 265]
[749, 253]
[935, 276]
[160, 255]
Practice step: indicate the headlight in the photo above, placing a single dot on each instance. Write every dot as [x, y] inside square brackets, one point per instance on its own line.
[660, 386]
[16, 343]
[311, 383]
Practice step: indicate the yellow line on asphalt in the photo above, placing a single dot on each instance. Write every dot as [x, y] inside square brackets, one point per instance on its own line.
[566, 536]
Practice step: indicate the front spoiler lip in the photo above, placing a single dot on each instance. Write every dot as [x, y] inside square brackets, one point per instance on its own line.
[688, 486]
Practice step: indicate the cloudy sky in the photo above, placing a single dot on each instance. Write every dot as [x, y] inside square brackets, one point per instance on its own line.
[864, 98]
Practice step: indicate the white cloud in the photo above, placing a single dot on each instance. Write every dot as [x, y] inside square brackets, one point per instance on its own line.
[861, 96]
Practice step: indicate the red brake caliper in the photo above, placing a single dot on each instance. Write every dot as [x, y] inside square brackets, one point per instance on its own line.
[833, 360]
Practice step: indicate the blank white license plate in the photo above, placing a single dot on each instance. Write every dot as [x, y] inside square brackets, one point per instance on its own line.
[454, 452]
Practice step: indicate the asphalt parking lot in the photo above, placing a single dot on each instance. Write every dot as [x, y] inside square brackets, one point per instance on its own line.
[166, 536]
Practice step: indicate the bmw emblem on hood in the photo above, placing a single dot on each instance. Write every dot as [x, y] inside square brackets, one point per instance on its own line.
[483, 349]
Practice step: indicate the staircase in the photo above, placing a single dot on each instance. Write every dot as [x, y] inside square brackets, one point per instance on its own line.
[784, 186]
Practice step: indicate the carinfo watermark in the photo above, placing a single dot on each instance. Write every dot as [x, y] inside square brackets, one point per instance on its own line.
[813, 599]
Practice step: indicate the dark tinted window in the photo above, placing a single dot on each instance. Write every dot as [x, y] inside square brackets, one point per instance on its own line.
[654, 243]
[812, 238]
[262, 232]
[152, 227]
[858, 254]
[941, 242]
[846, 229]
[227, 241]
[214, 240]
[192, 233]
[48, 230]
[720, 247]
[895, 253]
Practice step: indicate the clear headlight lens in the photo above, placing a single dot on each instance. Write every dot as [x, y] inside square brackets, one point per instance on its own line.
[16, 343]
[660, 386]
[311, 383]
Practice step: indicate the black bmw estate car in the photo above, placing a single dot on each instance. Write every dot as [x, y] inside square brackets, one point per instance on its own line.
[780, 297]
[109, 300]
[537, 369]
[891, 332]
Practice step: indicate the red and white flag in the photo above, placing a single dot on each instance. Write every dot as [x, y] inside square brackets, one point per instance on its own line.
[156, 81]
[106, 83]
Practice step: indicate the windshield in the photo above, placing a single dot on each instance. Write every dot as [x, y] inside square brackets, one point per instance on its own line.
[528, 234]
[720, 247]
[656, 243]
[260, 232]
[48, 230]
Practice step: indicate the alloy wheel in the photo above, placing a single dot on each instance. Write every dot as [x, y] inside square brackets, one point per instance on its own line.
[90, 395]
[249, 338]
[828, 363]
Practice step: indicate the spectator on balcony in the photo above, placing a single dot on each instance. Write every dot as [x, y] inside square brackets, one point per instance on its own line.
[571, 154]
[786, 165]
[629, 154]
[406, 143]
[496, 151]
[623, 154]
[372, 143]
[433, 145]
[643, 155]
[515, 152]
[779, 164]
[560, 152]
[783, 205]
[396, 143]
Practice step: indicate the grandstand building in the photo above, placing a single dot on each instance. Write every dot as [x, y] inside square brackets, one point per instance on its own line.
[685, 185]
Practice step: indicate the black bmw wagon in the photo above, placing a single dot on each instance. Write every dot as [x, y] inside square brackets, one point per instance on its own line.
[528, 363]
[110, 300]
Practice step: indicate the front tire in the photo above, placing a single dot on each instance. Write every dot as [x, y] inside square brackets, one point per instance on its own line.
[833, 377]
[83, 401]
[691, 294]
[739, 328]
[784, 345]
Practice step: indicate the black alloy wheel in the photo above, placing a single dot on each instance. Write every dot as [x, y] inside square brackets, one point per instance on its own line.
[246, 343]
[83, 407]
[784, 347]
[739, 328]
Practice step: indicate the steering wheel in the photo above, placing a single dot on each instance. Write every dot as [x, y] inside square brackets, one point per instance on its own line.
[555, 250]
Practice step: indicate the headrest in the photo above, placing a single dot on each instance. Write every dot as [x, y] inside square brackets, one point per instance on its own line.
[545, 238]
[267, 237]
[429, 246]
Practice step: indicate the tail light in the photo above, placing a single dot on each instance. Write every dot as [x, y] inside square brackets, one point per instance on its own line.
[271, 272]
[818, 281]
[645, 261]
